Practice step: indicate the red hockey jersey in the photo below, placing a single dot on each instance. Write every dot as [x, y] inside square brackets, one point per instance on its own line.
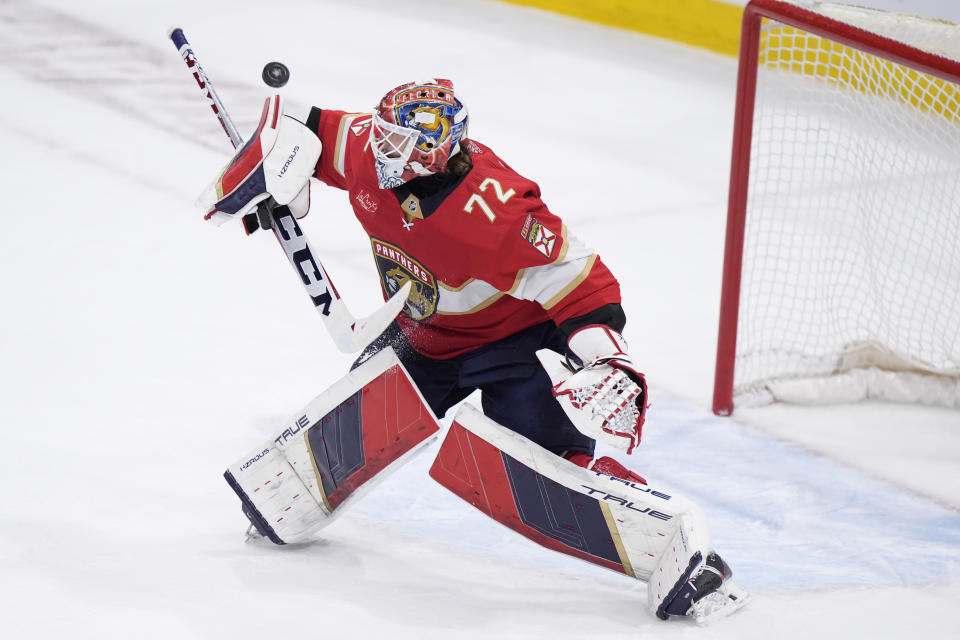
[487, 260]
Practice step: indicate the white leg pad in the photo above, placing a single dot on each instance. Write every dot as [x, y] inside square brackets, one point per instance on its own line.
[635, 529]
[348, 438]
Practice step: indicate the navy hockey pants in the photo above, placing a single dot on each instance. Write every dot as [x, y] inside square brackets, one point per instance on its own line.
[515, 390]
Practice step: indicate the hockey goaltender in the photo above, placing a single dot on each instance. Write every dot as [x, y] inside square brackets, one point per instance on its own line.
[500, 296]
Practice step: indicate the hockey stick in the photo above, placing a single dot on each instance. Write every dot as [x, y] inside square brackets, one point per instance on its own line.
[349, 333]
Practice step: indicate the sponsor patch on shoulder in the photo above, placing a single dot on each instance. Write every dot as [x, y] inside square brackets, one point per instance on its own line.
[539, 237]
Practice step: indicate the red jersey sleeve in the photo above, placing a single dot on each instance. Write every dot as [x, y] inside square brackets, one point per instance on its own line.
[344, 136]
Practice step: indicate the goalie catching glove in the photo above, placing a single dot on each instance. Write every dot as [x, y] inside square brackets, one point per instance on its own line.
[605, 398]
[276, 162]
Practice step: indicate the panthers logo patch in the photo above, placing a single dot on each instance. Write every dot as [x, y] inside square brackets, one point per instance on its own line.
[396, 268]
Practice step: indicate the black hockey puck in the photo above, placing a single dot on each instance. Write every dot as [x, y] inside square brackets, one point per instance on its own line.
[275, 74]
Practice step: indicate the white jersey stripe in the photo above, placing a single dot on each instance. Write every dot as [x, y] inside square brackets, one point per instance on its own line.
[547, 284]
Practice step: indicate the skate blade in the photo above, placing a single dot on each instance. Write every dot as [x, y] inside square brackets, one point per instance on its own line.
[721, 603]
[252, 535]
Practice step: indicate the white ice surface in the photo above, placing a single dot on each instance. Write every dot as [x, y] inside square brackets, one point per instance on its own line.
[142, 350]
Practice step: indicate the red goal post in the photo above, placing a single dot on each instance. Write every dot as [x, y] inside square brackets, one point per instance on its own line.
[879, 75]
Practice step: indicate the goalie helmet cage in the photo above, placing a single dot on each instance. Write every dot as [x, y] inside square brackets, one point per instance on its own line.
[842, 256]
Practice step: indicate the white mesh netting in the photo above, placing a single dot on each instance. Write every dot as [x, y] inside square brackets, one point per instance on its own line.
[852, 242]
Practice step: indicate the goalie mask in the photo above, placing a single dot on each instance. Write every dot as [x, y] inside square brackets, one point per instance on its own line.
[416, 128]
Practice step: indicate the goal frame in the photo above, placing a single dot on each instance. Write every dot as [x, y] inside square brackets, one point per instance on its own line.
[822, 26]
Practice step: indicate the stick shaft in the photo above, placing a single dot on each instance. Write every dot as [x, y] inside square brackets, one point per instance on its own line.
[186, 52]
[349, 333]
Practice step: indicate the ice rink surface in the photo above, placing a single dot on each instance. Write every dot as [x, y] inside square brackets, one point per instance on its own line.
[143, 350]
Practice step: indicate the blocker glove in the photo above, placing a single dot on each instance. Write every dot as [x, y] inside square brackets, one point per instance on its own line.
[276, 162]
[605, 397]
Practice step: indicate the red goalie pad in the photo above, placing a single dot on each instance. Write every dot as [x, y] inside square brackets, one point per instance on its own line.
[528, 502]
[626, 526]
[367, 432]
[339, 445]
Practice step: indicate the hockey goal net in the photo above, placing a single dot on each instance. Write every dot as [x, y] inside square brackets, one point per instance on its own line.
[842, 262]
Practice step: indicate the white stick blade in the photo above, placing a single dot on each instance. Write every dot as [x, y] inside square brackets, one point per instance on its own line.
[365, 330]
